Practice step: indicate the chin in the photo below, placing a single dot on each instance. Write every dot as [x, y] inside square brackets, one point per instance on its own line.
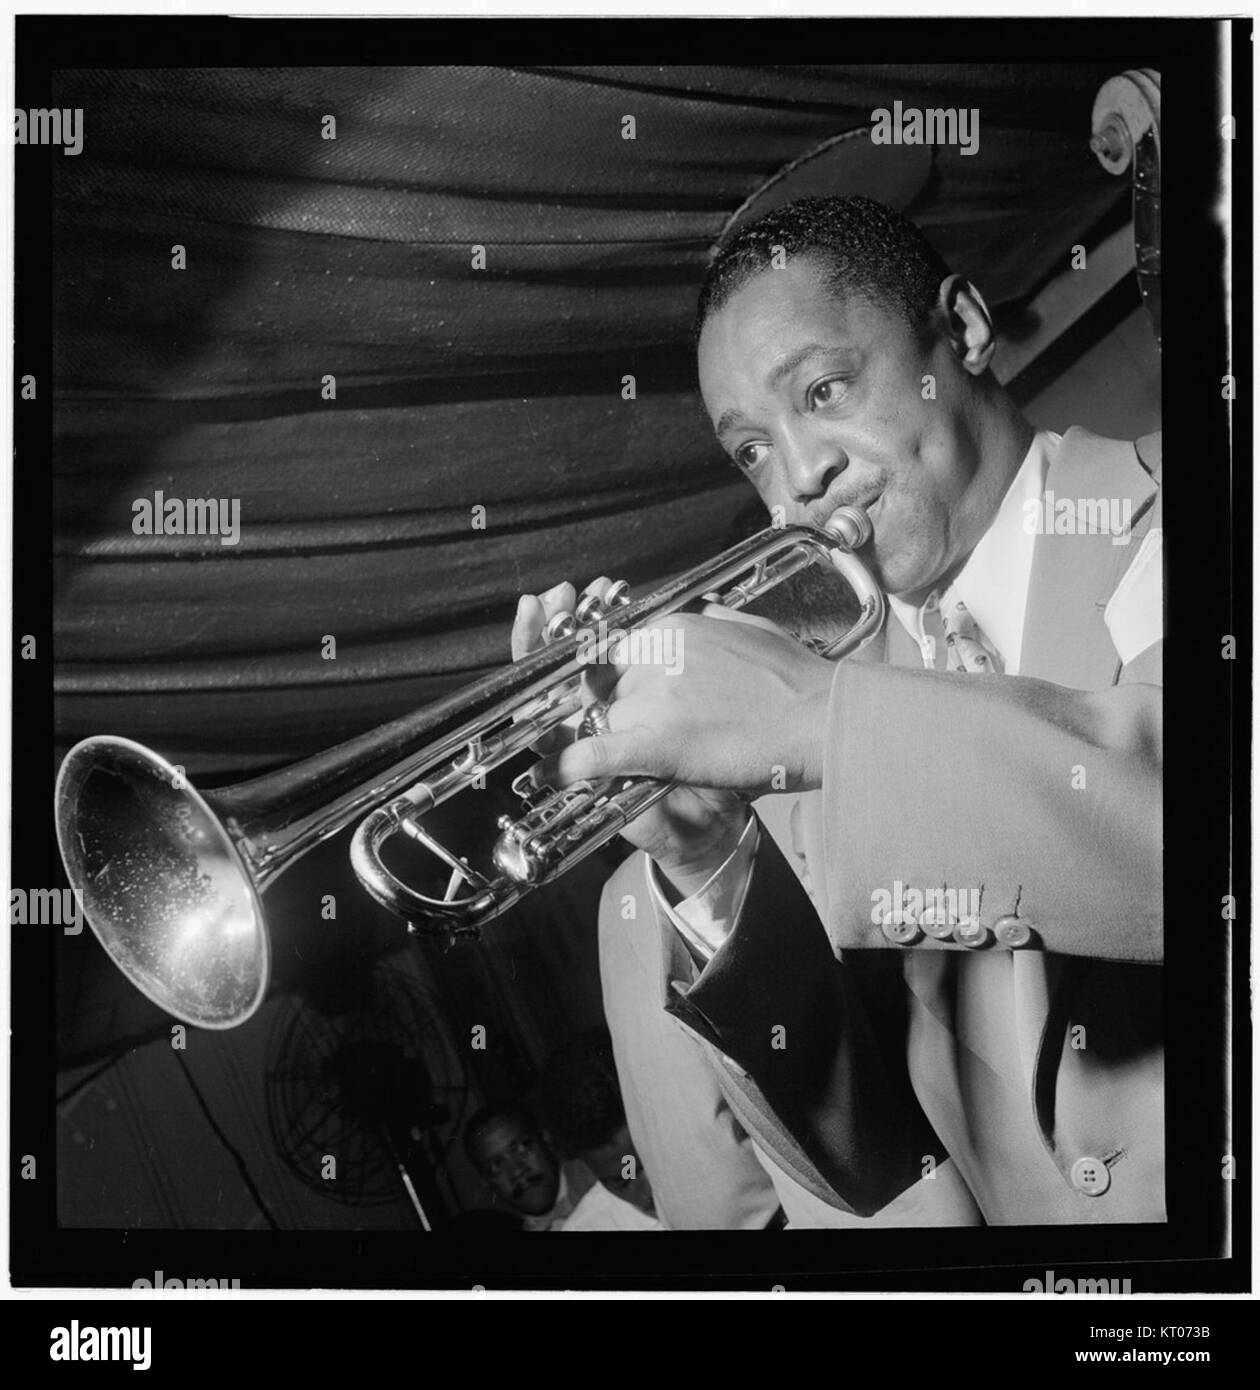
[895, 575]
[903, 571]
[537, 1203]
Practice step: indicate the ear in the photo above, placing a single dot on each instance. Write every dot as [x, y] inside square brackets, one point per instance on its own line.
[969, 327]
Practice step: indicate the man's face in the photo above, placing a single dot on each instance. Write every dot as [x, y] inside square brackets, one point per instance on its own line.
[820, 402]
[610, 1166]
[518, 1165]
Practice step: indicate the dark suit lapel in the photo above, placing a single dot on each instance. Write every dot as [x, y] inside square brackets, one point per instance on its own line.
[1065, 638]
[819, 1045]
[678, 974]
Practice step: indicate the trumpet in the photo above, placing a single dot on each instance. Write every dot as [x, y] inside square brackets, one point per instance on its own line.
[170, 878]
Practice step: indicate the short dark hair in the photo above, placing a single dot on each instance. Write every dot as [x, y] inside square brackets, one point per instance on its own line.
[581, 1092]
[488, 1114]
[865, 248]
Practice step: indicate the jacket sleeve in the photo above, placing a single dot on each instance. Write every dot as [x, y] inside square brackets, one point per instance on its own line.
[699, 1160]
[1043, 801]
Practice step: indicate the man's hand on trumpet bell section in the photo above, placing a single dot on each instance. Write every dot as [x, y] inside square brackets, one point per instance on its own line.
[743, 707]
[690, 832]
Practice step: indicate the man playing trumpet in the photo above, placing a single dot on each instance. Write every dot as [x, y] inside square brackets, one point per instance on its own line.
[922, 975]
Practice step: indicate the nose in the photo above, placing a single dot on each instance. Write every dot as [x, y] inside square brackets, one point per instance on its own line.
[812, 462]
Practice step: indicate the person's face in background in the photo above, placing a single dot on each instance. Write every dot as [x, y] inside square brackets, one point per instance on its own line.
[609, 1164]
[518, 1164]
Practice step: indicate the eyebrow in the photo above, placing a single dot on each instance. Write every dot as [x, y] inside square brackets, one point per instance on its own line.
[790, 364]
[785, 368]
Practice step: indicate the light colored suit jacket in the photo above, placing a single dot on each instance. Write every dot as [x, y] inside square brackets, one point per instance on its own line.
[704, 1172]
[1038, 1069]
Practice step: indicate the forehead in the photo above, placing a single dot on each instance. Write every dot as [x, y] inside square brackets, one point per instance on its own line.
[776, 313]
[498, 1135]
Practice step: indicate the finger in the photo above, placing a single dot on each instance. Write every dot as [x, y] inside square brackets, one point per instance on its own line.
[626, 754]
[533, 614]
[633, 658]
[589, 606]
[601, 676]
[527, 626]
[557, 604]
[600, 683]
[737, 615]
[558, 599]
[560, 736]
[554, 740]
[527, 638]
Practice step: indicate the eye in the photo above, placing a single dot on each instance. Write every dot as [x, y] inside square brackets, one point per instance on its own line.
[829, 391]
[746, 457]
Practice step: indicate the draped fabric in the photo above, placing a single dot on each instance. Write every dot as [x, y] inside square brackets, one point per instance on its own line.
[457, 387]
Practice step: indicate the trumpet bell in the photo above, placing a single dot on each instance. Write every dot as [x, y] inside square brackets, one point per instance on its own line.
[161, 882]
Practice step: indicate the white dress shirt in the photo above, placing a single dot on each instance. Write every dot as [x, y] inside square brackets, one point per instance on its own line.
[704, 920]
[601, 1210]
[993, 582]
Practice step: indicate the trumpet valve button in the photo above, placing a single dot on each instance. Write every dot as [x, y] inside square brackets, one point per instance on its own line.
[589, 610]
[618, 596]
[560, 625]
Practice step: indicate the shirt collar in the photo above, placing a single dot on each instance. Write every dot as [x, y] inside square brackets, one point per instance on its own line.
[994, 581]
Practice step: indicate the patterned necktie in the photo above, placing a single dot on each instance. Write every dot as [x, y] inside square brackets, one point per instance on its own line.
[946, 619]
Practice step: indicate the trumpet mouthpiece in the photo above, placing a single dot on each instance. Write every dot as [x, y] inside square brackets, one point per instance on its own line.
[851, 526]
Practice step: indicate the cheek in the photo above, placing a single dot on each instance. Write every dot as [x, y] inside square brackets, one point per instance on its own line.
[932, 471]
[773, 493]
[946, 455]
[766, 485]
[909, 536]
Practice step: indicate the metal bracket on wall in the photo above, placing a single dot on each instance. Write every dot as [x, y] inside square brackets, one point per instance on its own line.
[1126, 135]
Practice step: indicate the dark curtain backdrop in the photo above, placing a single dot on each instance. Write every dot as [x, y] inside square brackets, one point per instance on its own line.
[455, 387]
